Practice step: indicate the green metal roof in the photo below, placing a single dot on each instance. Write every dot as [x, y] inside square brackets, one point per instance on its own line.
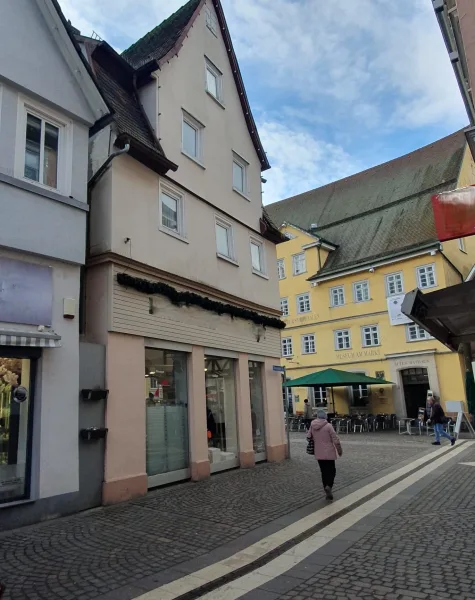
[381, 211]
[335, 378]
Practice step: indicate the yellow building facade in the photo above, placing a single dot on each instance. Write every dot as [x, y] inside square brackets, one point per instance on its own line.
[350, 319]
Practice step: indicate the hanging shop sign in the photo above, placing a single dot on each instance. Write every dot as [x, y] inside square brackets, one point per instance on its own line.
[454, 213]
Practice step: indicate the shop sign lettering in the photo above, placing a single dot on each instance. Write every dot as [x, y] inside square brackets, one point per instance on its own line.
[359, 354]
[411, 363]
[302, 320]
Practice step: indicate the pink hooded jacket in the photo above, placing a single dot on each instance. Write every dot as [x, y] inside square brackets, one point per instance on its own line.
[327, 443]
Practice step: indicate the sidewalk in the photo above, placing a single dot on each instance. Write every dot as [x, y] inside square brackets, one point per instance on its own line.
[120, 552]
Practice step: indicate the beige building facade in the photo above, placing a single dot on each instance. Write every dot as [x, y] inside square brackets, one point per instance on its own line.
[181, 285]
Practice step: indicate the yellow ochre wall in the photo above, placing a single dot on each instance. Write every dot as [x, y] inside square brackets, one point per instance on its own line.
[394, 351]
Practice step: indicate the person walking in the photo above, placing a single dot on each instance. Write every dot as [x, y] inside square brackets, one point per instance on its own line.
[307, 413]
[327, 448]
[437, 419]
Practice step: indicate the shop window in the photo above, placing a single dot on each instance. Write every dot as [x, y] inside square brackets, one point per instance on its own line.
[257, 408]
[16, 411]
[221, 412]
[359, 396]
[166, 389]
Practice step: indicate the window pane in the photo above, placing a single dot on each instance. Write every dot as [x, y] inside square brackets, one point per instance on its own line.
[14, 430]
[50, 172]
[169, 212]
[256, 257]
[257, 406]
[190, 139]
[221, 410]
[222, 240]
[211, 83]
[166, 391]
[32, 149]
[238, 177]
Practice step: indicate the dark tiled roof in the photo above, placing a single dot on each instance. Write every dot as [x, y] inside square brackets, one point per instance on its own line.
[162, 39]
[116, 85]
[166, 39]
[381, 211]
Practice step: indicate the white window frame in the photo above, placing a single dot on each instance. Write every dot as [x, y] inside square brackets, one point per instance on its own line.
[461, 244]
[337, 288]
[211, 21]
[401, 281]
[199, 128]
[355, 288]
[281, 268]
[262, 272]
[308, 339]
[229, 226]
[320, 395]
[418, 330]
[65, 146]
[286, 343]
[306, 297]
[345, 335]
[180, 198]
[284, 307]
[418, 272]
[373, 331]
[295, 257]
[213, 69]
[243, 164]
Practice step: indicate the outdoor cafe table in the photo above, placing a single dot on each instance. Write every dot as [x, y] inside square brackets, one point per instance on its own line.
[408, 426]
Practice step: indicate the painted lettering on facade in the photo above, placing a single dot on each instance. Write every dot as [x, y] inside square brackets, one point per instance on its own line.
[302, 320]
[411, 363]
[360, 354]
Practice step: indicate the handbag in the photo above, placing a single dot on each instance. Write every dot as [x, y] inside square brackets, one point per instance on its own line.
[311, 446]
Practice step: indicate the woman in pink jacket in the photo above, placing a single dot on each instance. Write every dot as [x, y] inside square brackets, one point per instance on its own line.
[327, 447]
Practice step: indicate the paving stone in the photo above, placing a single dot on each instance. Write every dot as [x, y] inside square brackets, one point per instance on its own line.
[102, 552]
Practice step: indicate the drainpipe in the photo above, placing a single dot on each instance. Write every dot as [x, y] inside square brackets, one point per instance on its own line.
[90, 184]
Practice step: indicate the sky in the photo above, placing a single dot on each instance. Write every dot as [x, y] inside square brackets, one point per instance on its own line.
[335, 86]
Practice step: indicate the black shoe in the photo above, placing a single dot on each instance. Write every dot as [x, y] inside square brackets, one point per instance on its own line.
[328, 492]
[452, 441]
[436, 443]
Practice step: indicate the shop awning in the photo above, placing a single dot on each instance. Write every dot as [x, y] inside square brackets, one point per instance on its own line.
[335, 378]
[448, 314]
[30, 339]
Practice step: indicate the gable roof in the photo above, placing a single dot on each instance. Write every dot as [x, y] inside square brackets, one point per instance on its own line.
[381, 211]
[116, 79]
[61, 31]
[166, 40]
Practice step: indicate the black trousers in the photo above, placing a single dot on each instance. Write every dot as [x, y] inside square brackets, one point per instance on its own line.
[328, 470]
[307, 423]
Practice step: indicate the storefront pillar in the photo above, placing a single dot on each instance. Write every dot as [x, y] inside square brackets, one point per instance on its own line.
[125, 475]
[200, 467]
[243, 406]
[276, 446]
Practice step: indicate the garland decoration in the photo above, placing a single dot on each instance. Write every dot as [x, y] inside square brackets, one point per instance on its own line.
[191, 299]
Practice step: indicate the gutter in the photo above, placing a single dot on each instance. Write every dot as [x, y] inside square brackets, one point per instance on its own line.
[454, 54]
[105, 165]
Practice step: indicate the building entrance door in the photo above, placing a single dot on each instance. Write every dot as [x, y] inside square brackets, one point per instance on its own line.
[415, 384]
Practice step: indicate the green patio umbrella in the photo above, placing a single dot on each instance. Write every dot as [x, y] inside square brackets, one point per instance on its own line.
[334, 378]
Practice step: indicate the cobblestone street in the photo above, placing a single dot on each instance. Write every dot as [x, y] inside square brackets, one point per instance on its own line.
[115, 551]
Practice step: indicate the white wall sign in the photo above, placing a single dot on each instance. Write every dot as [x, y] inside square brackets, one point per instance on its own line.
[394, 309]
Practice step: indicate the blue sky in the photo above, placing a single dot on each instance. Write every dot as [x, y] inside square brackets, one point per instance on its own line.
[335, 86]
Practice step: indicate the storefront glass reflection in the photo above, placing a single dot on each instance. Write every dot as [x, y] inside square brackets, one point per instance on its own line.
[221, 410]
[166, 391]
[257, 408]
[14, 430]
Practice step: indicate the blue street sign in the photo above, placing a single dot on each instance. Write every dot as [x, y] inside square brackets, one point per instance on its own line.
[278, 368]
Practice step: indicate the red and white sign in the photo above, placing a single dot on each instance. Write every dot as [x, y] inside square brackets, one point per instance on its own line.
[454, 213]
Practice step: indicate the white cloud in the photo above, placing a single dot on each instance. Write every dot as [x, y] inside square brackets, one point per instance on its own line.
[300, 161]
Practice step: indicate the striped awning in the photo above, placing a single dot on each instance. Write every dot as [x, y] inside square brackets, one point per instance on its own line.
[30, 339]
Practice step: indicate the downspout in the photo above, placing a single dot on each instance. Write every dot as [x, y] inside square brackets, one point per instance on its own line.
[90, 185]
